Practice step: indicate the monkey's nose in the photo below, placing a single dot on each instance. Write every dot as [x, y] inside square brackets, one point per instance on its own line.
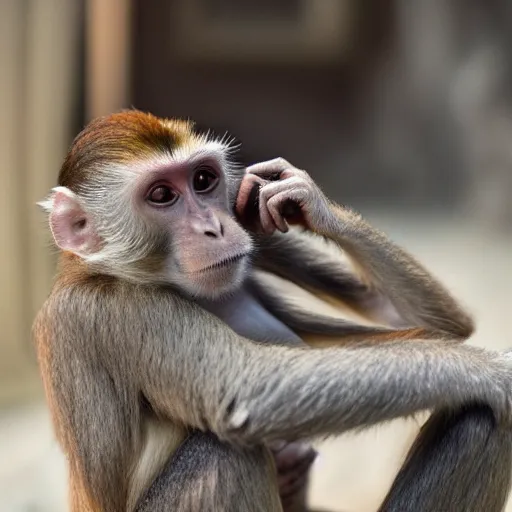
[212, 228]
[211, 233]
[215, 232]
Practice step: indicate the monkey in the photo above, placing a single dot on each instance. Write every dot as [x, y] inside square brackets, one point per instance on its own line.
[170, 367]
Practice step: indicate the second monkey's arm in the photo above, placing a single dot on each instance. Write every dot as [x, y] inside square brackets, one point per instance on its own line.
[384, 282]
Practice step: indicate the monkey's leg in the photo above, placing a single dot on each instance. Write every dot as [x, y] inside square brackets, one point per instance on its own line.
[205, 474]
[181, 480]
[460, 462]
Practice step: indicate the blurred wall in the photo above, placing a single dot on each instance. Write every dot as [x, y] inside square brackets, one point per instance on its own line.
[107, 78]
[398, 116]
[38, 57]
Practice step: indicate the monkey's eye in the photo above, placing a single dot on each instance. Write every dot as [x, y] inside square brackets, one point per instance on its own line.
[162, 195]
[205, 179]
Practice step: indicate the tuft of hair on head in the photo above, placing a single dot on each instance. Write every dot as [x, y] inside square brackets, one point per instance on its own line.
[110, 149]
[121, 139]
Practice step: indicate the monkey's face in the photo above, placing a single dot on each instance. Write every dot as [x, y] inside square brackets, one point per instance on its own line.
[188, 203]
[149, 200]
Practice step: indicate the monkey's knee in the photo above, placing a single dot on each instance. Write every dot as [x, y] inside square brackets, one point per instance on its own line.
[206, 474]
[460, 462]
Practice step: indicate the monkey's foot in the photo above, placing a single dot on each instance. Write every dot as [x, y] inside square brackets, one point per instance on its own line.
[293, 462]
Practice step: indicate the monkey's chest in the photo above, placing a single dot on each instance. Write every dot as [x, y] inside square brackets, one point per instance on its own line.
[247, 317]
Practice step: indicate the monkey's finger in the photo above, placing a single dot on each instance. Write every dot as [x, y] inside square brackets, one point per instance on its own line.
[267, 223]
[290, 185]
[293, 481]
[274, 206]
[278, 196]
[276, 446]
[247, 201]
[271, 169]
[287, 207]
[292, 485]
[295, 456]
[295, 498]
[290, 491]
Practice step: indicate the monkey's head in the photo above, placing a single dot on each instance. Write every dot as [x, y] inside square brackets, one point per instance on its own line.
[151, 200]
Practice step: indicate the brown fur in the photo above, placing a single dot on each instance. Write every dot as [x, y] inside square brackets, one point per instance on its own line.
[121, 353]
[120, 138]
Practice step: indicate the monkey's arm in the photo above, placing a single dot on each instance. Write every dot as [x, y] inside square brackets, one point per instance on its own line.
[382, 281]
[297, 258]
[192, 368]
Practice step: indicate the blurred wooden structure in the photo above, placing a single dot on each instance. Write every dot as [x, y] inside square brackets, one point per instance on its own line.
[38, 89]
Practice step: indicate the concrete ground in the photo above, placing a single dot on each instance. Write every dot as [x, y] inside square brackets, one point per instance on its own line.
[353, 472]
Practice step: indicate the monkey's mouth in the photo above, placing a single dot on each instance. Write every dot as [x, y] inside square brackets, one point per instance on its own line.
[223, 263]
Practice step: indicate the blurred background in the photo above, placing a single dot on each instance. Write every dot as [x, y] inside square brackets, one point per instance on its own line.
[400, 108]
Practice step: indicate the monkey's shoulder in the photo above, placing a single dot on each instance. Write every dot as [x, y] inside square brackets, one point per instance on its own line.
[88, 303]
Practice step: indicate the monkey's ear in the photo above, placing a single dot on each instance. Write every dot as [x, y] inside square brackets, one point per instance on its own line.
[71, 226]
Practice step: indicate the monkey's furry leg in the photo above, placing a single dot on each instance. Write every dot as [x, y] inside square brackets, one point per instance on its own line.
[460, 462]
[207, 475]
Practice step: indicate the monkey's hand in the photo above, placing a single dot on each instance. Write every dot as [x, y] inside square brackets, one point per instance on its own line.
[293, 463]
[274, 195]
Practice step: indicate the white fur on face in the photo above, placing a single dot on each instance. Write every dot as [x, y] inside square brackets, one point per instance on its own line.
[109, 200]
